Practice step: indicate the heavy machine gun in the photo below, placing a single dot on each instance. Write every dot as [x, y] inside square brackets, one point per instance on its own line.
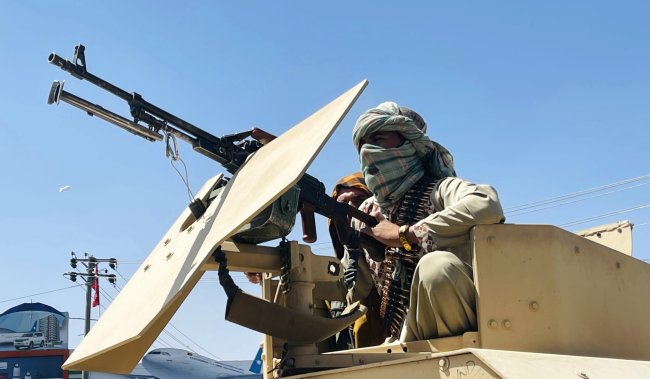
[230, 151]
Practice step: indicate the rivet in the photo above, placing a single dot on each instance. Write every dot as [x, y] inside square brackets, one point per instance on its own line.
[493, 324]
[534, 306]
[507, 324]
[287, 205]
[443, 364]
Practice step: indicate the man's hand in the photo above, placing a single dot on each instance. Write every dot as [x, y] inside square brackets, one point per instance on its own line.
[351, 195]
[385, 231]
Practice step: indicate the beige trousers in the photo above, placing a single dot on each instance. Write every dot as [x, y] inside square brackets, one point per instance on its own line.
[442, 300]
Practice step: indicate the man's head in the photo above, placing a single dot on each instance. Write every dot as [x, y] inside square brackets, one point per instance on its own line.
[395, 151]
[389, 117]
[351, 189]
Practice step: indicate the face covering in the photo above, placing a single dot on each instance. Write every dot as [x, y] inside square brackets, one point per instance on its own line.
[390, 173]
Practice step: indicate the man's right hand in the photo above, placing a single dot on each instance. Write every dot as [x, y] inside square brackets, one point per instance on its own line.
[351, 195]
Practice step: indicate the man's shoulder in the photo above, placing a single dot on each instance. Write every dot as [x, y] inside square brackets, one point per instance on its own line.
[449, 186]
[451, 181]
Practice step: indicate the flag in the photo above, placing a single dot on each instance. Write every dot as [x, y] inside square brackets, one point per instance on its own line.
[96, 287]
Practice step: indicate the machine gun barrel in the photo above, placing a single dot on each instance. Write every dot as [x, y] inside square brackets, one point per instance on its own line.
[78, 70]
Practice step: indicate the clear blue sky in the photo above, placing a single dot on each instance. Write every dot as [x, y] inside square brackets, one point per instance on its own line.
[539, 99]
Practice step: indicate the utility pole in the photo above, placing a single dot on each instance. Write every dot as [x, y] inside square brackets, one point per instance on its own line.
[91, 275]
[90, 281]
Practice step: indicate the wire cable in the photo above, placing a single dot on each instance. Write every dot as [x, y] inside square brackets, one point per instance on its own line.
[604, 215]
[521, 207]
[41, 293]
[199, 346]
[540, 208]
[171, 151]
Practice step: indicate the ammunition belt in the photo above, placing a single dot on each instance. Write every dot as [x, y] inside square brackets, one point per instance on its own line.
[398, 267]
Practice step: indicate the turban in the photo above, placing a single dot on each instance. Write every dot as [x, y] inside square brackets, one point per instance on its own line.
[388, 116]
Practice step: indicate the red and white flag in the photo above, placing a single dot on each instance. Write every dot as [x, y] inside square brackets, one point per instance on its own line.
[96, 287]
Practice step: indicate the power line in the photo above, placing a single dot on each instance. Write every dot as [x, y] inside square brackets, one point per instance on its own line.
[520, 207]
[184, 335]
[178, 341]
[130, 262]
[121, 276]
[41, 293]
[605, 215]
[540, 208]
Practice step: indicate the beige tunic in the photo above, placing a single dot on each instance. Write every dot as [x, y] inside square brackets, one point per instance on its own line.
[442, 297]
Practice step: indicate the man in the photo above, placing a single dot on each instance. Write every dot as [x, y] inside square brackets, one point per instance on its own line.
[349, 189]
[424, 214]
[368, 330]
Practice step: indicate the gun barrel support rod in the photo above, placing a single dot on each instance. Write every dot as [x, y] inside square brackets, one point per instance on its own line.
[57, 94]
